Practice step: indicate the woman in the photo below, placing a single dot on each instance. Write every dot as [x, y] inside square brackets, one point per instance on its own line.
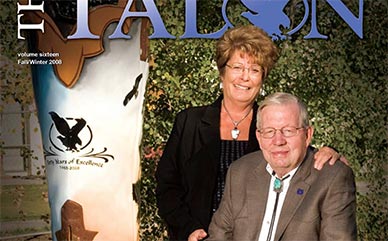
[205, 140]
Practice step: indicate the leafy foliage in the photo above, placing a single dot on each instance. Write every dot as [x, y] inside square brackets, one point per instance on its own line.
[16, 84]
[16, 87]
[342, 79]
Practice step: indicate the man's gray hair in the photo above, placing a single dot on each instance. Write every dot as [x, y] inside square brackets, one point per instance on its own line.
[281, 98]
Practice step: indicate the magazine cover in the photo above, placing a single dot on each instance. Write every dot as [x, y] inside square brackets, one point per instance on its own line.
[92, 92]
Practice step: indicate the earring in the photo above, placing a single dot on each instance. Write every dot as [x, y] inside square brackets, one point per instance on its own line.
[262, 91]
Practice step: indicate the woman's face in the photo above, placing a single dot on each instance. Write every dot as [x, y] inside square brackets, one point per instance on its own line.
[242, 78]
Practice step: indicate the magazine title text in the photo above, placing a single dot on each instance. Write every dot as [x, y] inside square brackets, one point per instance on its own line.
[255, 16]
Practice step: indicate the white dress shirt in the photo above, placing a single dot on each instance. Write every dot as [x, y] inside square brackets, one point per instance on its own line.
[271, 203]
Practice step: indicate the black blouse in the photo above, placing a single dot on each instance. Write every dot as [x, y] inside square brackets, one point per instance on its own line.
[230, 151]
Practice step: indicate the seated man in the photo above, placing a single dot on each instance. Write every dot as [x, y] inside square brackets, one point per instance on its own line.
[276, 194]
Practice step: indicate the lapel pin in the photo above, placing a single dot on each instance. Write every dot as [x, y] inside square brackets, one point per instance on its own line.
[299, 191]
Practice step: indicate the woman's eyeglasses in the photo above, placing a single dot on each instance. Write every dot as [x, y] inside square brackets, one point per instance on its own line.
[253, 70]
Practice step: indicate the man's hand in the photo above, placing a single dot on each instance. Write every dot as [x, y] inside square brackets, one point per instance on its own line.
[197, 235]
[326, 154]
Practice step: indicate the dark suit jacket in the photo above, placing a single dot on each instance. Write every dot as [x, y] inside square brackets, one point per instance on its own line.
[186, 174]
[319, 205]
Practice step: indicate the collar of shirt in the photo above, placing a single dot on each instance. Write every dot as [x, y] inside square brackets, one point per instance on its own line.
[291, 173]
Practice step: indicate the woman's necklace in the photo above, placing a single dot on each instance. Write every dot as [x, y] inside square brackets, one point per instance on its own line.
[235, 132]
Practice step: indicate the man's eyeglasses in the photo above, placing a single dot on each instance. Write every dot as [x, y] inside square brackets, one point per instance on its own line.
[286, 131]
[253, 70]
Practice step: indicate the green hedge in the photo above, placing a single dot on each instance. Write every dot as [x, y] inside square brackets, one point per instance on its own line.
[343, 80]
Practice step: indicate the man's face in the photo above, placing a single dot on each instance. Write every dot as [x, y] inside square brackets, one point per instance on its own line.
[283, 153]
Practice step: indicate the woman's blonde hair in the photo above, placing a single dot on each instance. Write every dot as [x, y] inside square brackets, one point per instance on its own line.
[250, 40]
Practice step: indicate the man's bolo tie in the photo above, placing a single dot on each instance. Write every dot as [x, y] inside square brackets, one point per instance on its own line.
[278, 188]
